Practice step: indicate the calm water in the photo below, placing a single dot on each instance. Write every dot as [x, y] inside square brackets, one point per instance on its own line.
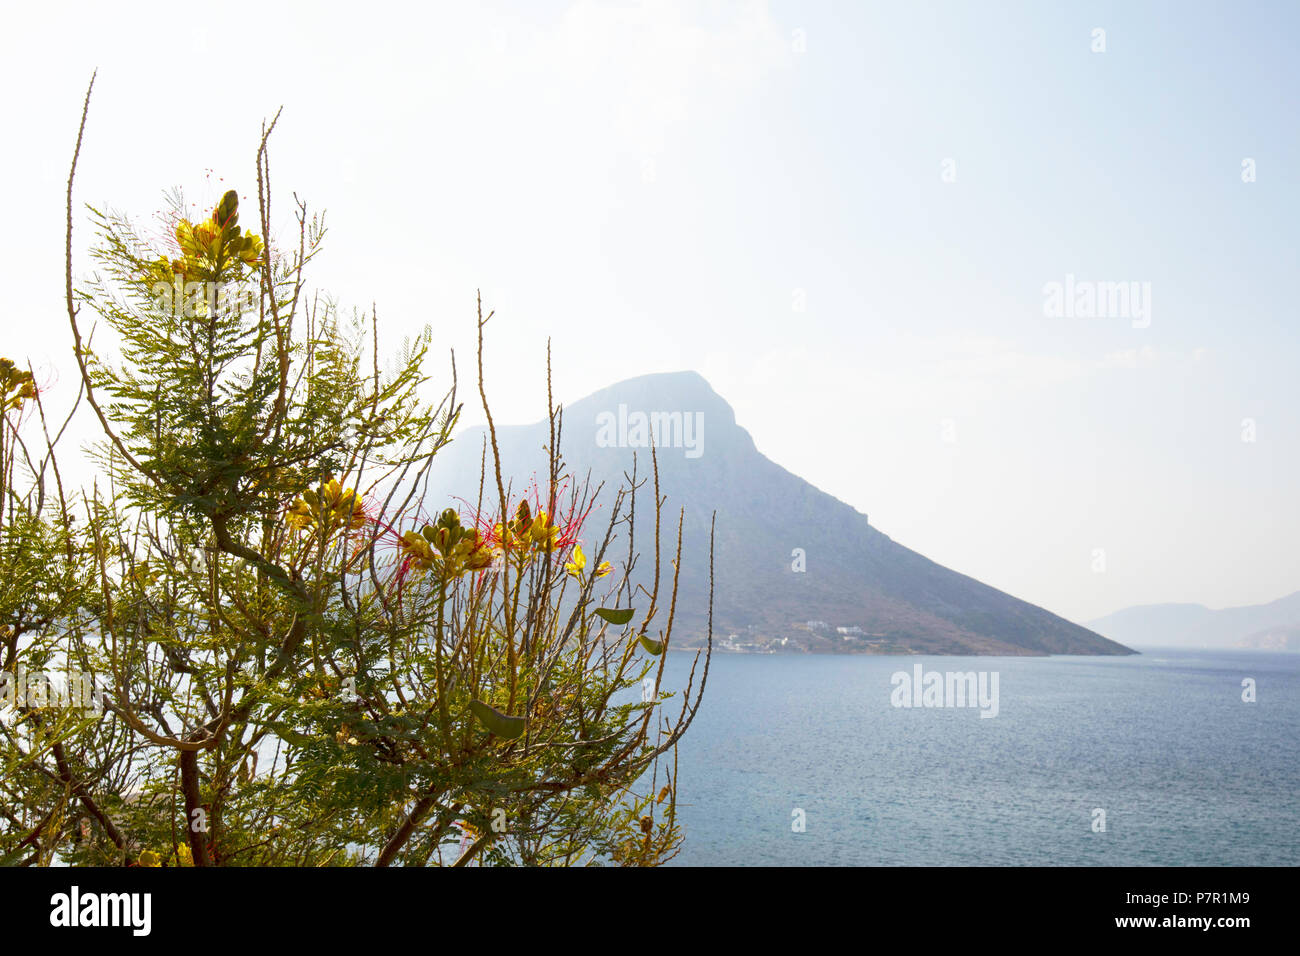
[1186, 772]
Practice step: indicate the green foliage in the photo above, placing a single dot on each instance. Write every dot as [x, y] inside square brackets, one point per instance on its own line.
[297, 667]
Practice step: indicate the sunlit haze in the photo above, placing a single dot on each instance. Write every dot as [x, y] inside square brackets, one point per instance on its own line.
[846, 217]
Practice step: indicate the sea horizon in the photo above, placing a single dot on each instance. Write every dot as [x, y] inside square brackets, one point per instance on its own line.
[1185, 771]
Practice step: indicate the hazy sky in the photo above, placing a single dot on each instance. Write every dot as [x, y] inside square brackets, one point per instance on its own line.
[843, 215]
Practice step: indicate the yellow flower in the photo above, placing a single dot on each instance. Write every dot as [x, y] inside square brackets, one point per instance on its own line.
[332, 508]
[480, 555]
[250, 250]
[16, 385]
[217, 240]
[300, 516]
[414, 546]
[149, 858]
[344, 504]
[543, 532]
[579, 563]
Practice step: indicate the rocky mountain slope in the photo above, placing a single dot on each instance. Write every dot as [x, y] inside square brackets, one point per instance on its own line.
[793, 564]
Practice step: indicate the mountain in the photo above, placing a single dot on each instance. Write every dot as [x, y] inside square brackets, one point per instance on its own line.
[1194, 625]
[1271, 639]
[890, 598]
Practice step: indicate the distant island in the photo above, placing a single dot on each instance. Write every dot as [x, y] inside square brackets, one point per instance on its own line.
[1274, 626]
[798, 571]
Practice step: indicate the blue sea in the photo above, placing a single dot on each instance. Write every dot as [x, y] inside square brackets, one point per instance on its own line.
[1186, 772]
